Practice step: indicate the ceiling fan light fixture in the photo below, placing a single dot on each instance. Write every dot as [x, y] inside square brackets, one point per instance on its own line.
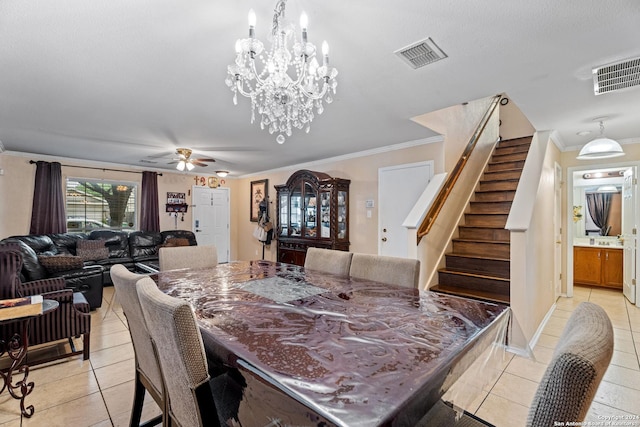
[601, 148]
[190, 166]
[222, 174]
[181, 165]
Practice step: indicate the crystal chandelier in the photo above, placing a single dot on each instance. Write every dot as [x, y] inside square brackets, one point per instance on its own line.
[283, 102]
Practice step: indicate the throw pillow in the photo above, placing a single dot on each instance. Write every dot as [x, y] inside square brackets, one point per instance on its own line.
[176, 241]
[58, 263]
[92, 250]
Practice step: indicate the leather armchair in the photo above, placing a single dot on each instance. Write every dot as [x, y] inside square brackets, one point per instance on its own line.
[71, 318]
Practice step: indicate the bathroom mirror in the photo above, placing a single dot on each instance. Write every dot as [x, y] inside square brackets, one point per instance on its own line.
[597, 203]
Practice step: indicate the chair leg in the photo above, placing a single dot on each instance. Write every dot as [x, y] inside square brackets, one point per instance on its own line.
[138, 401]
[85, 345]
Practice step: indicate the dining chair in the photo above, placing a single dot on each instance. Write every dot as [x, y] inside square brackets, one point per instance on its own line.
[183, 363]
[571, 380]
[147, 376]
[328, 261]
[200, 256]
[392, 270]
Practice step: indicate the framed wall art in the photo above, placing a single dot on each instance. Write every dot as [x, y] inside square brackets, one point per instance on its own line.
[258, 193]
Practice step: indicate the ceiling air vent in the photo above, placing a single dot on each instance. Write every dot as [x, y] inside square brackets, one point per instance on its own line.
[421, 53]
[147, 161]
[616, 76]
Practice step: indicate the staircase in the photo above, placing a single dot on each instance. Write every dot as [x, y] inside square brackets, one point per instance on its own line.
[478, 266]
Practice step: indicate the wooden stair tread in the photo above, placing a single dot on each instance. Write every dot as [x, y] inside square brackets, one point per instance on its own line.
[492, 227]
[486, 213]
[480, 257]
[457, 239]
[473, 274]
[468, 293]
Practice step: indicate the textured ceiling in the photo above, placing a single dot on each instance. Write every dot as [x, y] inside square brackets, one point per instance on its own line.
[127, 80]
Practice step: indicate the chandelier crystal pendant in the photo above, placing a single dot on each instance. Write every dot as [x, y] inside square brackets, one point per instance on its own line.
[292, 85]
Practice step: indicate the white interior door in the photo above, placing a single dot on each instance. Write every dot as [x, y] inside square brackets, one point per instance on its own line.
[211, 219]
[629, 234]
[399, 187]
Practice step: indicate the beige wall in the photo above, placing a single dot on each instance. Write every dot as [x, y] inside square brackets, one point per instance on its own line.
[363, 173]
[17, 183]
[17, 186]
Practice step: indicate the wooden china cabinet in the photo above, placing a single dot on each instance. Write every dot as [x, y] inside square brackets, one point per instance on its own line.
[313, 211]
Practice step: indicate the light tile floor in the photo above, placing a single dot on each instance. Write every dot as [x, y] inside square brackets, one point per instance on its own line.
[99, 392]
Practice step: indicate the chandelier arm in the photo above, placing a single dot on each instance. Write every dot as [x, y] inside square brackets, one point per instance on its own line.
[240, 88]
[310, 95]
[259, 80]
[302, 76]
[278, 12]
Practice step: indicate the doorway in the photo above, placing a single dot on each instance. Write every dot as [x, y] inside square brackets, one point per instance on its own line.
[399, 187]
[211, 213]
[583, 230]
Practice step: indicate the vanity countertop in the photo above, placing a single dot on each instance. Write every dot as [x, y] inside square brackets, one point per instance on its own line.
[610, 243]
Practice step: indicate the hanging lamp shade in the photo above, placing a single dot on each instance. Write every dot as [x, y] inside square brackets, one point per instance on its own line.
[600, 148]
[607, 189]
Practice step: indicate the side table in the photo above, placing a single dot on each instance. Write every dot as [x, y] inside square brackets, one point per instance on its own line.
[16, 348]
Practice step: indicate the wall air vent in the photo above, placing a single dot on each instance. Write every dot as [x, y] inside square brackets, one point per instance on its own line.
[617, 76]
[422, 53]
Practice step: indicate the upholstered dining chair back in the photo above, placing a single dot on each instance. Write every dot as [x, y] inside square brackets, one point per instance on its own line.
[392, 270]
[328, 261]
[148, 374]
[578, 364]
[173, 328]
[569, 384]
[200, 256]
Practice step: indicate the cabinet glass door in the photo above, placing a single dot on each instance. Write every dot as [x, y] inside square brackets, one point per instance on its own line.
[310, 211]
[284, 215]
[325, 214]
[342, 214]
[296, 212]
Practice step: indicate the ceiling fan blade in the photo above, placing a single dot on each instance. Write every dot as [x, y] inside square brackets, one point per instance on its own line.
[197, 163]
[204, 159]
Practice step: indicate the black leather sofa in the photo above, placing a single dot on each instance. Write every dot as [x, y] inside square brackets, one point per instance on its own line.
[123, 248]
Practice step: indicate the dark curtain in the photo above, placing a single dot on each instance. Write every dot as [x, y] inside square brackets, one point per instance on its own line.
[149, 212]
[599, 206]
[47, 214]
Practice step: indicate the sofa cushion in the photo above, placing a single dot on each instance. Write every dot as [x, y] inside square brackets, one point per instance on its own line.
[66, 243]
[57, 263]
[179, 234]
[175, 241]
[144, 244]
[116, 241]
[31, 267]
[92, 250]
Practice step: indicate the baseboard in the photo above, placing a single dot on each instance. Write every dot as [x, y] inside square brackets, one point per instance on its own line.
[536, 336]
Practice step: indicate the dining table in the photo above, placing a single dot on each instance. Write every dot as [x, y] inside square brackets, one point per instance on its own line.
[317, 349]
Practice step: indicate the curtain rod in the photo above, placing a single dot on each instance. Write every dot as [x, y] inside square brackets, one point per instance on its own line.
[33, 162]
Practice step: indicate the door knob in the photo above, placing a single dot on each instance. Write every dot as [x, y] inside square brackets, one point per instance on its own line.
[384, 239]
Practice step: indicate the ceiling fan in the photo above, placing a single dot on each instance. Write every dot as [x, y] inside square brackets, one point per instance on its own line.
[184, 160]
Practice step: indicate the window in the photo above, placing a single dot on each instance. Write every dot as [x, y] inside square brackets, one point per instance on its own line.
[93, 204]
